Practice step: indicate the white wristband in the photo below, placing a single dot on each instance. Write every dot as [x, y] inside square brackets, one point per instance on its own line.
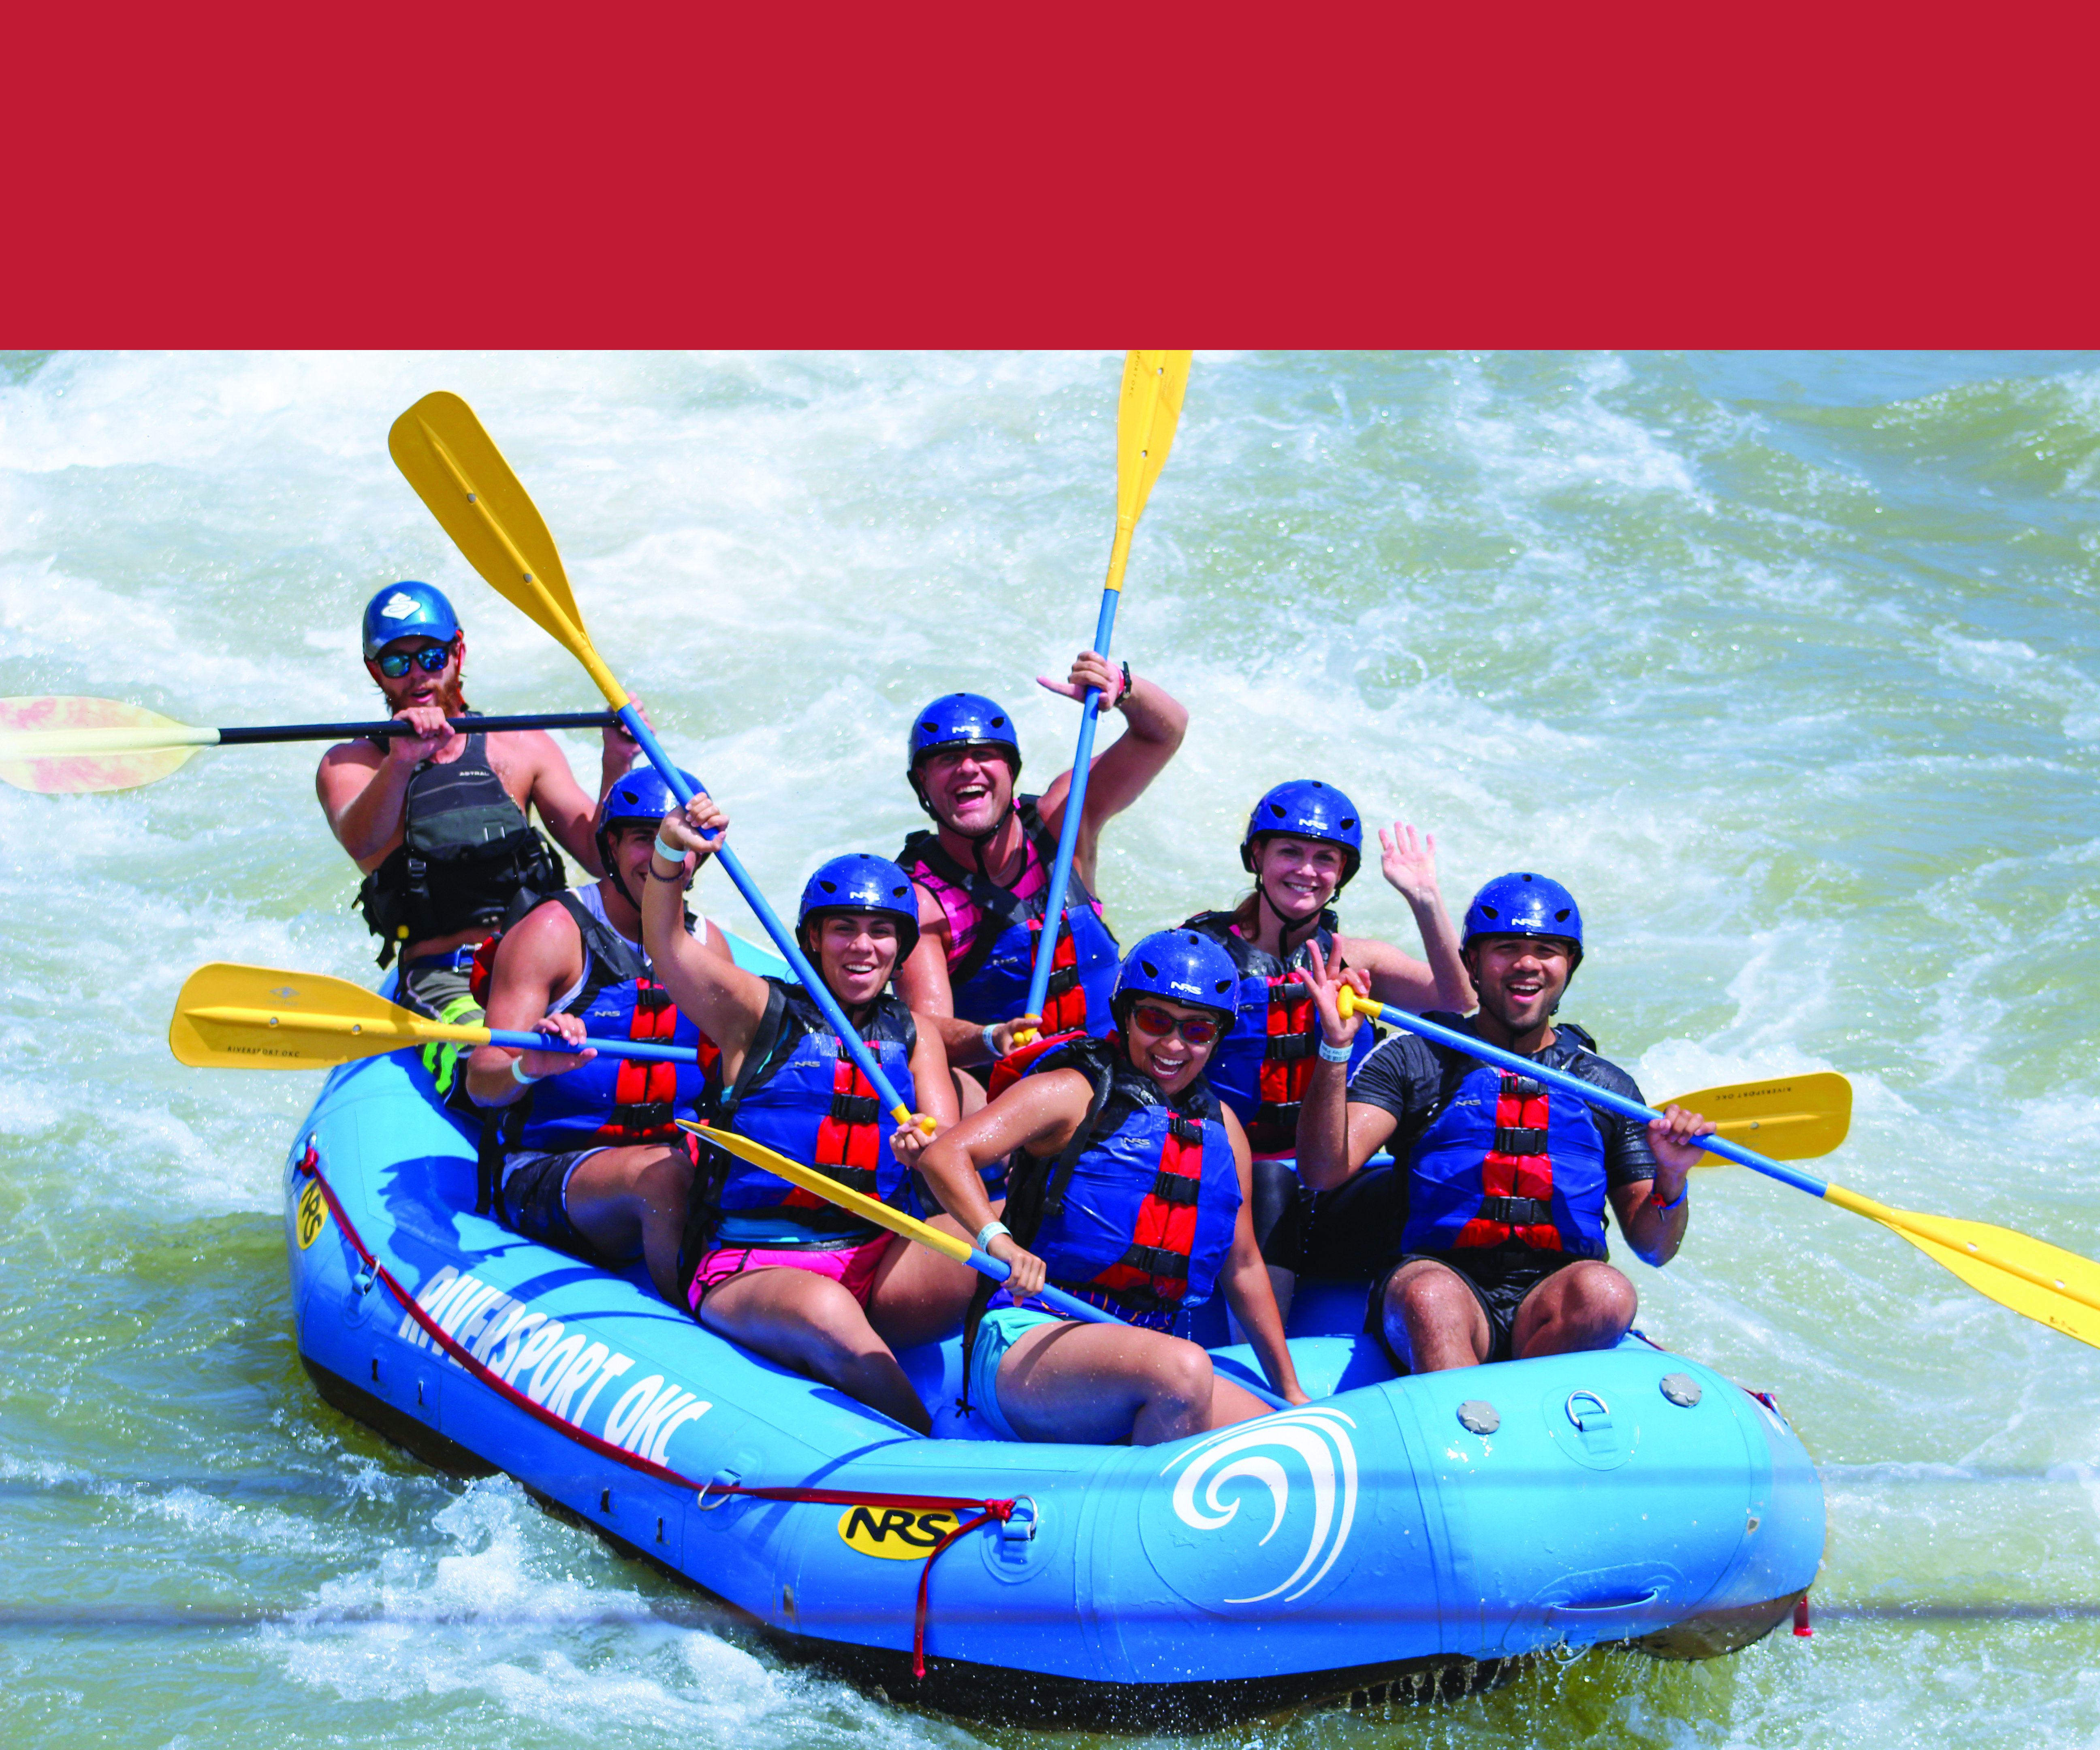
[1334, 1054]
[990, 1232]
[990, 1044]
[518, 1073]
[668, 853]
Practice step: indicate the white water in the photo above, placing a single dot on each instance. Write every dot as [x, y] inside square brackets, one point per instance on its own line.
[1788, 666]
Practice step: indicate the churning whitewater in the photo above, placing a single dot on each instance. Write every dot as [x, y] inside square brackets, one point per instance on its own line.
[1787, 665]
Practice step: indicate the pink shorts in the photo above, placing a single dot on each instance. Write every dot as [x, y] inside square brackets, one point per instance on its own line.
[852, 1266]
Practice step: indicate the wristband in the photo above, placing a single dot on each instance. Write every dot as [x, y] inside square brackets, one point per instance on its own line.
[517, 1072]
[1675, 1204]
[990, 1045]
[668, 854]
[1123, 697]
[1334, 1054]
[990, 1231]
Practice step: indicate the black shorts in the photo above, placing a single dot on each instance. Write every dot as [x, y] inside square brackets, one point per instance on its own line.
[1499, 1283]
[1350, 1234]
[534, 1205]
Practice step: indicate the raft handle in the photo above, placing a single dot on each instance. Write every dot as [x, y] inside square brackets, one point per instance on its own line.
[1017, 1530]
[1604, 1415]
[726, 1478]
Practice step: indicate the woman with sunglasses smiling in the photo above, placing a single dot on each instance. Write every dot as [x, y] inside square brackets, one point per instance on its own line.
[440, 823]
[1129, 1189]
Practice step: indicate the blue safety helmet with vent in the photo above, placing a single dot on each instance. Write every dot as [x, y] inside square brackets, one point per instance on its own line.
[860, 881]
[407, 609]
[1181, 966]
[960, 720]
[1306, 808]
[641, 796]
[1522, 904]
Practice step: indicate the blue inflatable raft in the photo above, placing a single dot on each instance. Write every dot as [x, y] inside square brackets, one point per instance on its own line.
[1397, 1537]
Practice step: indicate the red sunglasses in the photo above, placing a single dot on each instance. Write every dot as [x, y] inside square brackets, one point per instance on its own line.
[1157, 1021]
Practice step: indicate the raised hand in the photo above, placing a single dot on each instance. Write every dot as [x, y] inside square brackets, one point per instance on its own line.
[698, 828]
[1410, 863]
[1325, 985]
[1088, 670]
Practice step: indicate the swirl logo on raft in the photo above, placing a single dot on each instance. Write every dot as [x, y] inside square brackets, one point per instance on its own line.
[1216, 1479]
[560, 1370]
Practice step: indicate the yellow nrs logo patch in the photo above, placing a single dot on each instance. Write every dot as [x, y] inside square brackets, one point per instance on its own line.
[313, 1213]
[896, 1534]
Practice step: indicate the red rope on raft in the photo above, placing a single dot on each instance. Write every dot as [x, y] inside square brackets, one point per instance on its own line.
[987, 1511]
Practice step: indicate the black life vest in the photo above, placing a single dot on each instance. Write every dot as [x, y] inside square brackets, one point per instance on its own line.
[467, 856]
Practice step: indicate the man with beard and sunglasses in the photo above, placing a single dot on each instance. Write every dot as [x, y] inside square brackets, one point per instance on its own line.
[1491, 1227]
[439, 823]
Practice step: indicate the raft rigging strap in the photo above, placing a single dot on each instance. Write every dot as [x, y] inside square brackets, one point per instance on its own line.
[987, 1512]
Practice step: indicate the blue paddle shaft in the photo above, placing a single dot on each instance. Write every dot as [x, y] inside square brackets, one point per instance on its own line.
[1590, 1092]
[791, 951]
[542, 1042]
[985, 1264]
[1067, 830]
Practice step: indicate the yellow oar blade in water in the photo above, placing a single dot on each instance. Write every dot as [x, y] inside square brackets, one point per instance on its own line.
[1786, 1117]
[262, 1017]
[69, 746]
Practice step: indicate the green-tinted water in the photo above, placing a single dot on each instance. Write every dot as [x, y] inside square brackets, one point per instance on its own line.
[1788, 665]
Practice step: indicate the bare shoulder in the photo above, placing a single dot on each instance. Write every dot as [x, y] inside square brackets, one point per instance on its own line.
[528, 752]
[546, 935]
[345, 769]
[932, 918]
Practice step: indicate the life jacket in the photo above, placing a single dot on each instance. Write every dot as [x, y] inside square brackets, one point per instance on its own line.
[1262, 1067]
[989, 977]
[466, 855]
[1503, 1159]
[1137, 1212]
[608, 1102]
[801, 1095]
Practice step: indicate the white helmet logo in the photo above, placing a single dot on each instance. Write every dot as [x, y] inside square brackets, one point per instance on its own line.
[399, 606]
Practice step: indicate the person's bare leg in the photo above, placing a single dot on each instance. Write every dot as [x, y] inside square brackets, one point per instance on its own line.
[810, 1323]
[1283, 1283]
[1104, 1383]
[625, 1201]
[1588, 1305]
[1432, 1320]
[918, 1296]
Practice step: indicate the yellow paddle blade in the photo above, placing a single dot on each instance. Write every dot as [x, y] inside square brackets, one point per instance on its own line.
[881, 1215]
[1786, 1118]
[72, 746]
[1153, 386]
[457, 470]
[2043, 1282]
[262, 1017]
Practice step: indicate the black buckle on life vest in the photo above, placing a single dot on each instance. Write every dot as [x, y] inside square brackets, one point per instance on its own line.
[1288, 1048]
[1520, 1139]
[1062, 979]
[654, 1115]
[1156, 1261]
[1175, 1187]
[855, 1108]
[1187, 1131]
[1516, 1212]
[653, 997]
[1521, 1087]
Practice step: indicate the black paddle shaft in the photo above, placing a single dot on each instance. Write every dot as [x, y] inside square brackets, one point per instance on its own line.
[275, 732]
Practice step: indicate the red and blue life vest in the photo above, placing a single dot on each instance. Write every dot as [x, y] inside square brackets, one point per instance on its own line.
[1137, 1213]
[988, 978]
[1262, 1067]
[801, 1095]
[1506, 1160]
[613, 1101]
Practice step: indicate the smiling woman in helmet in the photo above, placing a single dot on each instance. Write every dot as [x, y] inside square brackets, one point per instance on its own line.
[1129, 1189]
[781, 1271]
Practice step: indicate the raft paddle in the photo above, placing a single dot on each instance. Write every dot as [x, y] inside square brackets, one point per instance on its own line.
[1792, 1118]
[1153, 384]
[2035, 1279]
[264, 1017]
[457, 470]
[947, 1245]
[68, 746]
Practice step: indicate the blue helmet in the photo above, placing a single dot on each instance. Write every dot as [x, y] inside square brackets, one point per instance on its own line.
[641, 794]
[960, 720]
[407, 609]
[1182, 967]
[1306, 808]
[860, 881]
[1522, 904]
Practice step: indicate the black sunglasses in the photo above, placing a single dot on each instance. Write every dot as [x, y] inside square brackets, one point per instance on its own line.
[430, 659]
